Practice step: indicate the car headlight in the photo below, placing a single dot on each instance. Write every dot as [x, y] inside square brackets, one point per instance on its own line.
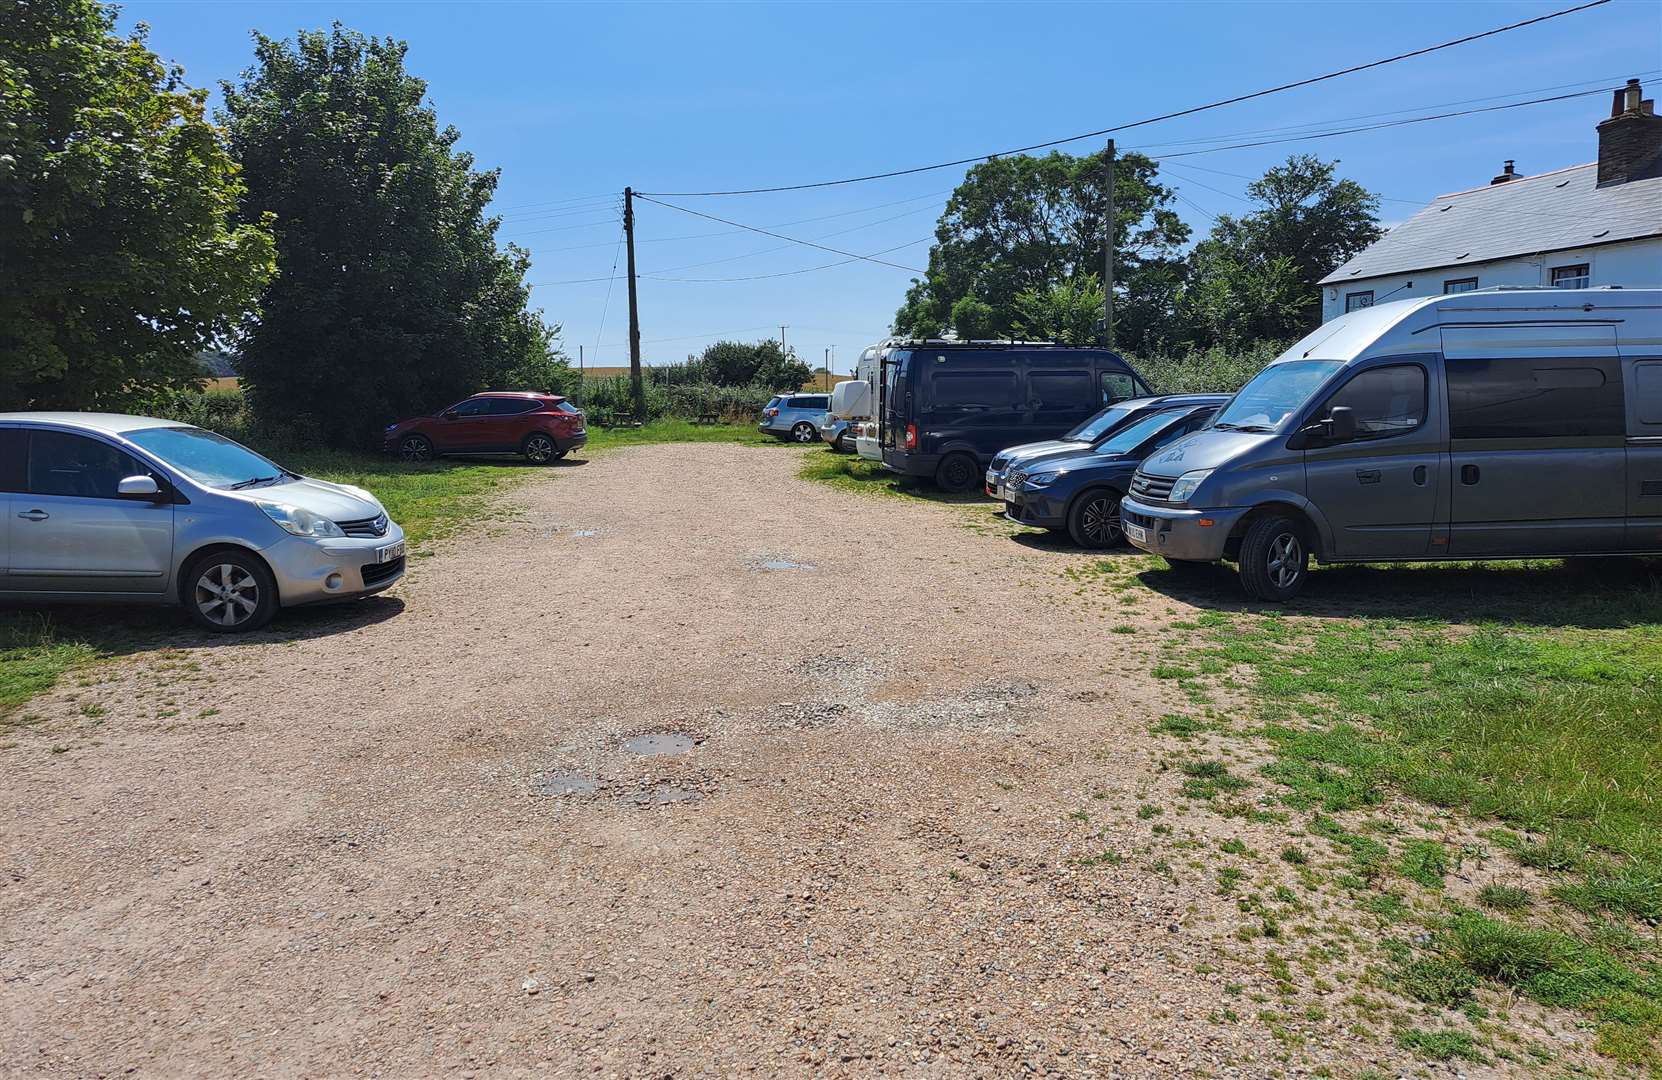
[1044, 479]
[300, 521]
[1186, 485]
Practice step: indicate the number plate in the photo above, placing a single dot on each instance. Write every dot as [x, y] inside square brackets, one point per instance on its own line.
[1135, 532]
[390, 552]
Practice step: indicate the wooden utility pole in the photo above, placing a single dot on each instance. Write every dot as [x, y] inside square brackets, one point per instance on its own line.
[637, 389]
[1107, 257]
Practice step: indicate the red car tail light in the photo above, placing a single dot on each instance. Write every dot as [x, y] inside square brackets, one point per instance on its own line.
[911, 442]
[772, 413]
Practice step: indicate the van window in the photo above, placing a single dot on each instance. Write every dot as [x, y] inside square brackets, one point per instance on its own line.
[1647, 384]
[1544, 398]
[1119, 385]
[1386, 400]
[1062, 390]
[973, 389]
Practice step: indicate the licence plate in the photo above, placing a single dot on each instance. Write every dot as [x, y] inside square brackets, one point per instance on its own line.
[390, 552]
[1135, 532]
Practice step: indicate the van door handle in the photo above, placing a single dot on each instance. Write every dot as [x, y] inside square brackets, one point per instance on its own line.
[1368, 476]
[1419, 475]
[1469, 474]
[34, 515]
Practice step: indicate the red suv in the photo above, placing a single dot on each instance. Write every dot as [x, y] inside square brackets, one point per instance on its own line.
[543, 427]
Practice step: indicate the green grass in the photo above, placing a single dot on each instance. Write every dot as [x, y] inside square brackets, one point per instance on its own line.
[852, 473]
[33, 657]
[1439, 1045]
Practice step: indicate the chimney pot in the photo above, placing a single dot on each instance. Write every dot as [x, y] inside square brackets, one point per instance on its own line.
[1508, 172]
[1630, 141]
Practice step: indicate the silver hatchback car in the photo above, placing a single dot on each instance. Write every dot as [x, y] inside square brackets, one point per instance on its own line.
[103, 507]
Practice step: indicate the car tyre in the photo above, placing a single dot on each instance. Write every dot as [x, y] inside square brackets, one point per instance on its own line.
[957, 473]
[804, 432]
[416, 449]
[1094, 519]
[1274, 559]
[540, 449]
[229, 591]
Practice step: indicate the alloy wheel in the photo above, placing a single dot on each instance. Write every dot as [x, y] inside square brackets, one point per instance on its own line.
[539, 449]
[227, 595]
[804, 433]
[1286, 560]
[1102, 520]
[415, 448]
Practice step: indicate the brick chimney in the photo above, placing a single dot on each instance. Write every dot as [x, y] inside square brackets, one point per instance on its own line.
[1507, 173]
[1630, 142]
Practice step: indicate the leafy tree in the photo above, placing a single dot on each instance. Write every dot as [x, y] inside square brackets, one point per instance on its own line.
[973, 319]
[1069, 311]
[1028, 223]
[1306, 224]
[392, 297]
[735, 363]
[120, 261]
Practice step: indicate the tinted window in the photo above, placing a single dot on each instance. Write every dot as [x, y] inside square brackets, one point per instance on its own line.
[1133, 435]
[973, 389]
[1534, 398]
[65, 464]
[1647, 383]
[507, 406]
[820, 403]
[1102, 422]
[473, 407]
[14, 455]
[1386, 400]
[1061, 389]
[1119, 385]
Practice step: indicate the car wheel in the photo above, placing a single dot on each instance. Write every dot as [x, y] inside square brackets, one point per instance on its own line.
[1094, 519]
[957, 473]
[804, 432]
[838, 444]
[539, 449]
[415, 448]
[229, 592]
[1275, 560]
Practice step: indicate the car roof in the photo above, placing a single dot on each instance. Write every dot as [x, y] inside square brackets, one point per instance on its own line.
[107, 423]
[519, 394]
[1172, 401]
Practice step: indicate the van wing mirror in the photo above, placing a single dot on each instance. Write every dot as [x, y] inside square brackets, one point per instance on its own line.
[138, 487]
[1341, 421]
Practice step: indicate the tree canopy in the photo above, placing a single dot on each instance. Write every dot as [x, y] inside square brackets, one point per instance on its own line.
[120, 257]
[737, 363]
[1030, 223]
[392, 297]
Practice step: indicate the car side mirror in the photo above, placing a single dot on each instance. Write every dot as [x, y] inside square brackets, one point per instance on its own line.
[138, 487]
[1341, 420]
[449, 414]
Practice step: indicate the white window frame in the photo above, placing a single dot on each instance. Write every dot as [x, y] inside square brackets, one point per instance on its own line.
[1364, 299]
[1469, 283]
[1582, 277]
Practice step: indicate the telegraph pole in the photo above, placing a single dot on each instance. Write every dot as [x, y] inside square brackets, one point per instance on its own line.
[636, 388]
[1107, 258]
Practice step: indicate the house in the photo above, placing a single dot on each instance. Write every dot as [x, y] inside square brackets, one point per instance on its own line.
[1586, 225]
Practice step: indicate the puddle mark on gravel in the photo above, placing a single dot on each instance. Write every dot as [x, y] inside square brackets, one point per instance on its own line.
[778, 562]
[565, 784]
[669, 744]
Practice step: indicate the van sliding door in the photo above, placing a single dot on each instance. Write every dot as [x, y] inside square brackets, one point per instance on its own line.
[1537, 445]
[1644, 456]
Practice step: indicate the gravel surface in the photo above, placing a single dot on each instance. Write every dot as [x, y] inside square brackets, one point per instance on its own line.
[415, 837]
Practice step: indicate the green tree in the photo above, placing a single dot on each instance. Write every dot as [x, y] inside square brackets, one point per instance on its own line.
[1069, 311]
[737, 363]
[1307, 222]
[120, 260]
[1029, 223]
[392, 296]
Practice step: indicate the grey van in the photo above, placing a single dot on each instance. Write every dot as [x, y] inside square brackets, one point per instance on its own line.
[1498, 424]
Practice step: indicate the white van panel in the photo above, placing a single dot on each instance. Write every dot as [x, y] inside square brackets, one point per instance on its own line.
[1588, 340]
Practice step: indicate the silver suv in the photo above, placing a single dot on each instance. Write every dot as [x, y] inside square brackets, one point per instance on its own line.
[95, 506]
[796, 417]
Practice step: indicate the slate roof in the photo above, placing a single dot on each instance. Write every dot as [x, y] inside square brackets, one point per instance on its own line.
[1550, 212]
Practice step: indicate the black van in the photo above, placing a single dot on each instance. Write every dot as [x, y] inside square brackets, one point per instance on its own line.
[947, 407]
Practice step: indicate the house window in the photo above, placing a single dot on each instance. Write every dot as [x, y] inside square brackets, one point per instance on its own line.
[1570, 277]
[1355, 301]
[1465, 284]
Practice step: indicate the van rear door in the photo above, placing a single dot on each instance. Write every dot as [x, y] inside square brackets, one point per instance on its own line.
[1537, 439]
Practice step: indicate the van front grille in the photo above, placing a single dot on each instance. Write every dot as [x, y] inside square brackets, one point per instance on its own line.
[1152, 487]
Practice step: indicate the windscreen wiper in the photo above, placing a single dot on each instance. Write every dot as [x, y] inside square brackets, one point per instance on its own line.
[251, 481]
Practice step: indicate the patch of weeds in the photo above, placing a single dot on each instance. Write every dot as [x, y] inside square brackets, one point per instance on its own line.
[1444, 1045]
[1367, 855]
[1103, 858]
[1079, 815]
[1633, 889]
[1183, 727]
[1171, 671]
[1208, 777]
[1435, 981]
[1148, 810]
[1424, 862]
[1228, 878]
[1553, 853]
[1386, 906]
[1295, 855]
[1504, 897]
[1234, 846]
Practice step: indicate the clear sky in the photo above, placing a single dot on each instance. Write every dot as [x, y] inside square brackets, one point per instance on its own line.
[574, 101]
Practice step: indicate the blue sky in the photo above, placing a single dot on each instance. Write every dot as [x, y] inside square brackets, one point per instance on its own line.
[574, 101]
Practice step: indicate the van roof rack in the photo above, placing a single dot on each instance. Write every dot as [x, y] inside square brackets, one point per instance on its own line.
[986, 343]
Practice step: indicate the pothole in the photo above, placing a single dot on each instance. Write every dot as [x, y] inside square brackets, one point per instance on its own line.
[565, 784]
[660, 745]
[665, 794]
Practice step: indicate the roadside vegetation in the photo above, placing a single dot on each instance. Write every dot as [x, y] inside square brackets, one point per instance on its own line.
[1467, 758]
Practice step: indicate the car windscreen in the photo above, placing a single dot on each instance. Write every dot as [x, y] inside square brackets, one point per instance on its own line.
[1275, 394]
[206, 457]
[1136, 433]
[1104, 421]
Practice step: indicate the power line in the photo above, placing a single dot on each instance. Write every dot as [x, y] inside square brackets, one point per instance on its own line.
[783, 247]
[1155, 119]
[792, 273]
[601, 329]
[782, 236]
